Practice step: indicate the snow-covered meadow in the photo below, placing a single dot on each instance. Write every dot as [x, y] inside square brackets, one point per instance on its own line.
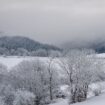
[100, 100]
[11, 61]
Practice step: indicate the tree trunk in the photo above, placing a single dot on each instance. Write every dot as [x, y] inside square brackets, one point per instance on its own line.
[37, 100]
[79, 95]
[51, 93]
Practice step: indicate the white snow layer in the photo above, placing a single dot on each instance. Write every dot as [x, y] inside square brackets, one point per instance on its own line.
[98, 100]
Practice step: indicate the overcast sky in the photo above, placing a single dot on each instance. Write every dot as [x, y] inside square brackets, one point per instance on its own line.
[54, 21]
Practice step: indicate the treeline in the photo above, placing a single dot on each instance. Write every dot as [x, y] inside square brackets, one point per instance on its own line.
[24, 52]
[22, 46]
[29, 83]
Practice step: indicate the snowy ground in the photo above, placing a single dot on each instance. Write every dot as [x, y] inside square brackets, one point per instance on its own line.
[98, 100]
[11, 61]
[61, 102]
[100, 55]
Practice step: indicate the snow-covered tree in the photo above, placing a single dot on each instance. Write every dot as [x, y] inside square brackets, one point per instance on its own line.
[23, 97]
[52, 73]
[79, 68]
[33, 77]
[41, 53]
[2, 101]
[3, 69]
[7, 93]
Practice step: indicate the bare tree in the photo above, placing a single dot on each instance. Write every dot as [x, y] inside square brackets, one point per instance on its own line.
[52, 72]
[79, 68]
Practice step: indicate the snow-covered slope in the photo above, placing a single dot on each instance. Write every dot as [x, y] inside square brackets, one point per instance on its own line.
[11, 61]
[99, 100]
[102, 55]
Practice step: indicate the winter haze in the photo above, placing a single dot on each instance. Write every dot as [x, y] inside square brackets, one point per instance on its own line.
[54, 21]
[37, 66]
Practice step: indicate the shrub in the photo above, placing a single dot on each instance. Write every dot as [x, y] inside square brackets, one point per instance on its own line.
[97, 92]
[1, 101]
[23, 97]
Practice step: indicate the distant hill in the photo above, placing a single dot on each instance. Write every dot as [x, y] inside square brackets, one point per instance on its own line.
[23, 46]
[97, 45]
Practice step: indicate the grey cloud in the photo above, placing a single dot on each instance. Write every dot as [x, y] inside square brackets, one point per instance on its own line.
[54, 21]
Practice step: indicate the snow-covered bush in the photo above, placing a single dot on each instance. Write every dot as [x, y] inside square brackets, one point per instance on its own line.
[97, 92]
[97, 88]
[3, 69]
[23, 97]
[7, 92]
[1, 101]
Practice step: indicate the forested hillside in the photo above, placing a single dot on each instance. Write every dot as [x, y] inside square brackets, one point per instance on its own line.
[24, 46]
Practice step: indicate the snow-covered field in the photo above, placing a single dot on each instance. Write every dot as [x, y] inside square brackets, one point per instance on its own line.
[11, 61]
[100, 55]
[99, 100]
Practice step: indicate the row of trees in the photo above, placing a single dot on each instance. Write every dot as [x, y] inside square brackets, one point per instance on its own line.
[29, 83]
[35, 77]
[36, 82]
[24, 52]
